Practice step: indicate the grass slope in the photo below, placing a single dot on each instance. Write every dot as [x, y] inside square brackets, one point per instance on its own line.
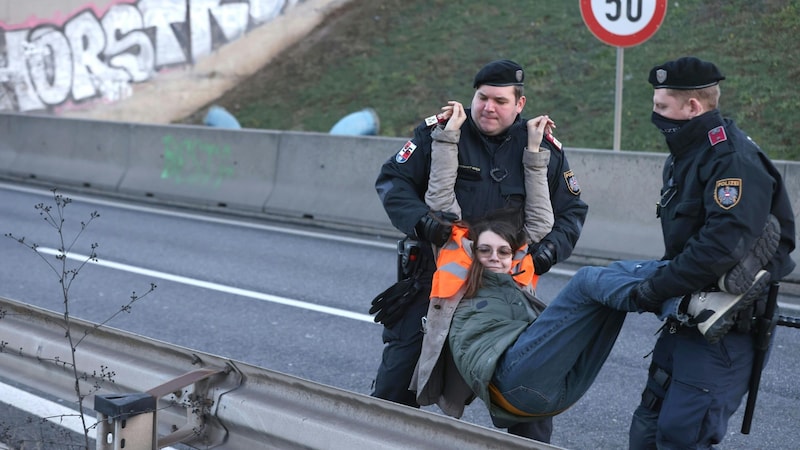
[406, 58]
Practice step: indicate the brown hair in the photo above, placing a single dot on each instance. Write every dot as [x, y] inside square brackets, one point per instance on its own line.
[506, 223]
[519, 91]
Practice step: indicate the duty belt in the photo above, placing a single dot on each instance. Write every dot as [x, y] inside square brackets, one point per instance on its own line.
[744, 320]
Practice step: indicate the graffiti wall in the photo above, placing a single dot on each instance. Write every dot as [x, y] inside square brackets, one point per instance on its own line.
[96, 53]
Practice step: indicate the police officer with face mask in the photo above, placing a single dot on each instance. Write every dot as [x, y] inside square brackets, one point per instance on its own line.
[719, 191]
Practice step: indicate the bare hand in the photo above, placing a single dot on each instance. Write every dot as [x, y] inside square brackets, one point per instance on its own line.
[538, 127]
[454, 114]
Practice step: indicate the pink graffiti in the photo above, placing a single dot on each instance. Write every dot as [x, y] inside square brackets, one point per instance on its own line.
[58, 19]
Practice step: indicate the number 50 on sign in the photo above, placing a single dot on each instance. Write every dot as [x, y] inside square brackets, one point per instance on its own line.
[623, 23]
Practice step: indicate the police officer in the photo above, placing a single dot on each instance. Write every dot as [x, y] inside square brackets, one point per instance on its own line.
[490, 176]
[719, 190]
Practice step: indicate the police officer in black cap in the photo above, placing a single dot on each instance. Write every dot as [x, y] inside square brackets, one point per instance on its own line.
[719, 191]
[490, 177]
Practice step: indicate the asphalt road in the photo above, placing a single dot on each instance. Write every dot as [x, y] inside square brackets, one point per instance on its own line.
[314, 267]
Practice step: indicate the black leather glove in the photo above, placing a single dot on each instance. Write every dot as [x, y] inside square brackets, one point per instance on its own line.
[544, 256]
[390, 305]
[645, 298]
[435, 227]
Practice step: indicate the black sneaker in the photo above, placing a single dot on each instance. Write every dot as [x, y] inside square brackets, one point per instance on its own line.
[714, 312]
[741, 276]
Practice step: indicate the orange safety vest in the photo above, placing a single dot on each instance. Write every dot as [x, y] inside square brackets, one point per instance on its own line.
[454, 260]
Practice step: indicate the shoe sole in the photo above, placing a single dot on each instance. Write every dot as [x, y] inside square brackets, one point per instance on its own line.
[739, 279]
[720, 325]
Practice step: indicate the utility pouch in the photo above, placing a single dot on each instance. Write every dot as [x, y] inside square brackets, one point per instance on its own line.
[408, 258]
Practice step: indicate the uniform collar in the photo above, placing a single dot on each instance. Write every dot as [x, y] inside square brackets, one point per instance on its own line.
[694, 135]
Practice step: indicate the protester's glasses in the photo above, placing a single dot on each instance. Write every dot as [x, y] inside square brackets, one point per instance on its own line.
[502, 252]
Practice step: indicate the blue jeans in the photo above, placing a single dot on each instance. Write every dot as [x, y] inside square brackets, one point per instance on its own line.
[557, 358]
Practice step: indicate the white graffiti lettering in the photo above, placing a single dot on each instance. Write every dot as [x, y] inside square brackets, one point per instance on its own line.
[50, 64]
[128, 46]
[97, 56]
[211, 20]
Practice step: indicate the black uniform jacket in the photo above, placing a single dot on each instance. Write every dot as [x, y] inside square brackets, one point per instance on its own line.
[490, 176]
[718, 189]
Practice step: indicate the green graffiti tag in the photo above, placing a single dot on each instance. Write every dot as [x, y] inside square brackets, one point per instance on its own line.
[192, 161]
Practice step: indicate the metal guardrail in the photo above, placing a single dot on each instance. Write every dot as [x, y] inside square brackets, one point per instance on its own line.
[207, 401]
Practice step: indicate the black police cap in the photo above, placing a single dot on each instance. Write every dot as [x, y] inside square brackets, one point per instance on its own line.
[685, 73]
[503, 72]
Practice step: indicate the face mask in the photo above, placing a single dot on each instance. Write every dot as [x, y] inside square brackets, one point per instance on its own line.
[667, 126]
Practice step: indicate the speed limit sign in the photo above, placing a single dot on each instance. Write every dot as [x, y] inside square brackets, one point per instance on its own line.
[623, 23]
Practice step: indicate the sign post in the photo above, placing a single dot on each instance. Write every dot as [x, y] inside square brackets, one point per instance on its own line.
[622, 23]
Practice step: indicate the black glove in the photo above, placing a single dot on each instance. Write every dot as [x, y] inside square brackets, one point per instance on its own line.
[544, 256]
[435, 227]
[645, 298]
[391, 304]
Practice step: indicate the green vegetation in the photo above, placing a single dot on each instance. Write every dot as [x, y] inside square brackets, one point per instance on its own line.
[406, 58]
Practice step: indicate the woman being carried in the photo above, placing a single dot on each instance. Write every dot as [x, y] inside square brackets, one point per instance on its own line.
[524, 369]
[436, 379]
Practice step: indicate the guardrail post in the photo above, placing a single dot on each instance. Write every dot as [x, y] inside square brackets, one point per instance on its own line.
[126, 421]
[201, 422]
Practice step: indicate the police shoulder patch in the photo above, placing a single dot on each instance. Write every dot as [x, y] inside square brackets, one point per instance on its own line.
[572, 182]
[553, 140]
[717, 135]
[405, 152]
[727, 192]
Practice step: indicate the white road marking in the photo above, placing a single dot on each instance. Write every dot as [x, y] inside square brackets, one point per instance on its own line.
[212, 286]
[51, 411]
[205, 218]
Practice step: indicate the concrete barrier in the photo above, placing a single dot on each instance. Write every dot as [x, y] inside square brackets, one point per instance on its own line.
[316, 178]
[331, 178]
[621, 189]
[7, 153]
[791, 178]
[72, 152]
[203, 166]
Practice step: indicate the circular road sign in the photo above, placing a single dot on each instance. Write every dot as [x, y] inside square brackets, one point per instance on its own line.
[623, 23]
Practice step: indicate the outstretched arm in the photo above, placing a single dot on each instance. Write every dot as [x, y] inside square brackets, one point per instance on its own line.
[441, 194]
[539, 217]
